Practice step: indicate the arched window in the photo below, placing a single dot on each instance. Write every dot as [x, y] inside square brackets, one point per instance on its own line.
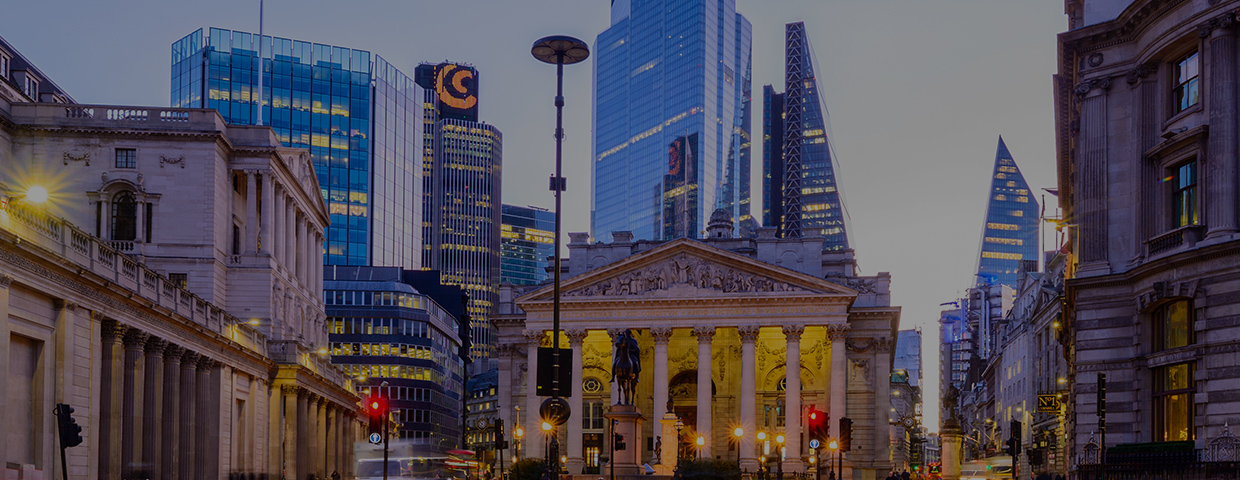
[124, 217]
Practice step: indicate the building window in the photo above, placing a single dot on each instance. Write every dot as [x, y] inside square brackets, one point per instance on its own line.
[124, 217]
[1184, 195]
[4, 65]
[126, 158]
[180, 279]
[32, 88]
[1173, 325]
[1173, 403]
[1187, 73]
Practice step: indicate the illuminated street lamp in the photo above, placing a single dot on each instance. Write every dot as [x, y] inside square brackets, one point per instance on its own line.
[834, 446]
[701, 442]
[779, 440]
[738, 433]
[36, 194]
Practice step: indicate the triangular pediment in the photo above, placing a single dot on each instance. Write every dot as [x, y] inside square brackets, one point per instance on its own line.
[686, 268]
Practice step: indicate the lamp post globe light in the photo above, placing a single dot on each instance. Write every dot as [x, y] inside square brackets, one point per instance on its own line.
[738, 433]
[559, 50]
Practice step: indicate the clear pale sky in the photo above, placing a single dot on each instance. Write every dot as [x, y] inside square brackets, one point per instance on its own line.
[918, 91]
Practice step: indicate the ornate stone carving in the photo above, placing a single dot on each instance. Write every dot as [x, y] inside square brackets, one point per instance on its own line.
[5, 281]
[189, 358]
[290, 390]
[882, 345]
[173, 353]
[682, 270]
[576, 336]
[65, 305]
[112, 329]
[859, 372]
[1141, 71]
[1086, 86]
[533, 337]
[863, 286]
[135, 338]
[80, 157]
[748, 333]
[661, 335]
[172, 161]
[793, 332]
[156, 346]
[1223, 21]
[838, 331]
[206, 363]
[1095, 59]
[704, 334]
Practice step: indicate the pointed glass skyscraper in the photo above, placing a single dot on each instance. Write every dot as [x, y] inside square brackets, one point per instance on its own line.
[671, 123]
[1011, 233]
[799, 174]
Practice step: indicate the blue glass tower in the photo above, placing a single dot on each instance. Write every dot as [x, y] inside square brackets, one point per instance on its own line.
[359, 116]
[1011, 233]
[807, 199]
[671, 123]
[527, 239]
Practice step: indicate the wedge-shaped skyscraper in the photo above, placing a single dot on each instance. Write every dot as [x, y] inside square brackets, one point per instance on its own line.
[1011, 233]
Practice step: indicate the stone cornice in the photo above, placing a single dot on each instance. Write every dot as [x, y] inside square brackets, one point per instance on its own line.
[1130, 24]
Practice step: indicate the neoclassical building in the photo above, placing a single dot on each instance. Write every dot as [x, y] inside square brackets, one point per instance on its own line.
[1149, 180]
[719, 322]
[167, 287]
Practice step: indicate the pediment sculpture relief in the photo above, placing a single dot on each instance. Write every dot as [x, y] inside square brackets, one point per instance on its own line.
[683, 270]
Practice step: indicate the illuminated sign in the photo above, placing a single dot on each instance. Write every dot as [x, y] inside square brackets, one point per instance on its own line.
[1048, 403]
[457, 86]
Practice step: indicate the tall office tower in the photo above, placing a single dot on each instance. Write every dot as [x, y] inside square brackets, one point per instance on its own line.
[527, 239]
[1011, 233]
[359, 116]
[462, 165]
[908, 355]
[802, 164]
[671, 122]
[772, 159]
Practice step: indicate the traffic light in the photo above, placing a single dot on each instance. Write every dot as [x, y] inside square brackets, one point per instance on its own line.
[376, 410]
[1015, 429]
[1010, 447]
[617, 441]
[845, 434]
[817, 424]
[70, 432]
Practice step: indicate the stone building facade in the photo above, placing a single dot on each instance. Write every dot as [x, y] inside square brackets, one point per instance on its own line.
[1146, 126]
[168, 290]
[734, 314]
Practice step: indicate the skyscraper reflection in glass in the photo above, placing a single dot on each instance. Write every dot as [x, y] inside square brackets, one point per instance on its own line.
[528, 238]
[359, 117]
[1011, 232]
[798, 169]
[672, 113]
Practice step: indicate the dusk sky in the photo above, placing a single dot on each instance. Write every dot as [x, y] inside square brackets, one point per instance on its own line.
[919, 93]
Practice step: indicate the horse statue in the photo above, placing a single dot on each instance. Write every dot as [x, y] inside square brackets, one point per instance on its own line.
[625, 365]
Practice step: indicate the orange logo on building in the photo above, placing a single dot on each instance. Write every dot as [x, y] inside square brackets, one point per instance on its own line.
[452, 88]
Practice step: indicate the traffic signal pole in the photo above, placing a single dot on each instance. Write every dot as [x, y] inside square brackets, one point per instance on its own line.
[385, 444]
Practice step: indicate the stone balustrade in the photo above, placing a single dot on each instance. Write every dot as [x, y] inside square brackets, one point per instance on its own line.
[117, 116]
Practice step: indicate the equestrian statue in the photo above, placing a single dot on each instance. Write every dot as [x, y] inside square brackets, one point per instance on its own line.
[625, 365]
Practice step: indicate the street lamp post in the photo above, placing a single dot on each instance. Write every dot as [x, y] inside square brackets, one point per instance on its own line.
[761, 436]
[738, 433]
[560, 50]
[779, 440]
[680, 425]
[834, 445]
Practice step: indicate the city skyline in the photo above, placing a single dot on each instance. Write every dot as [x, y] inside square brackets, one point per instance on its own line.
[1004, 86]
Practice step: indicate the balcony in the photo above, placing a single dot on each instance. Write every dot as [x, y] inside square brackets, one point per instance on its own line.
[1174, 241]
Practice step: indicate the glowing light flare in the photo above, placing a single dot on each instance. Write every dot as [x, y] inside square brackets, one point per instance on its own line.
[546, 426]
[834, 445]
[36, 194]
[739, 432]
[701, 441]
[761, 435]
[779, 439]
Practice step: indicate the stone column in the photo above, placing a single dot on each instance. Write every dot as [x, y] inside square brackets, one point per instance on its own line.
[152, 408]
[188, 439]
[661, 337]
[704, 387]
[303, 438]
[266, 222]
[5, 338]
[205, 417]
[251, 212]
[792, 399]
[169, 455]
[289, 237]
[533, 426]
[131, 421]
[950, 450]
[1220, 192]
[504, 393]
[332, 430]
[294, 398]
[111, 399]
[838, 333]
[140, 219]
[576, 460]
[320, 437]
[749, 379]
[276, 239]
[1091, 209]
[882, 399]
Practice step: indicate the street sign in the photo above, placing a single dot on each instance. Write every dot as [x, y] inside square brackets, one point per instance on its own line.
[376, 438]
[813, 443]
[1048, 403]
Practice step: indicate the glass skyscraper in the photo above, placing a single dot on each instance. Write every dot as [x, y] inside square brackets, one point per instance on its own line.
[462, 161]
[798, 170]
[359, 117]
[528, 238]
[671, 122]
[1011, 233]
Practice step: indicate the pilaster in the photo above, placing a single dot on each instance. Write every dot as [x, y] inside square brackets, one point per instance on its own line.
[749, 335]
[576, 459]
[792, 398]
[705, 384]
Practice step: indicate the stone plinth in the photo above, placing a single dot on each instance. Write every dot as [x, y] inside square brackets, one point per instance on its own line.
[951, 439]
[668, 434]
[628, 422]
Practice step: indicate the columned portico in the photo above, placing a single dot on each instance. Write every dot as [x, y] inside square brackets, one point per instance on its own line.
[766, 338]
